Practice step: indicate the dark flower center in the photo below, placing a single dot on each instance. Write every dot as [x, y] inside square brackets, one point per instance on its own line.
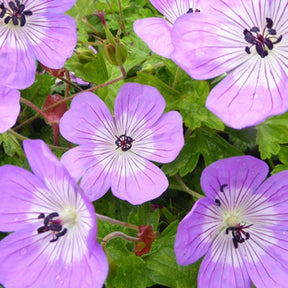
[53, 225]
[262, 42]
[124, 142]
[15, 12]
[238, 234]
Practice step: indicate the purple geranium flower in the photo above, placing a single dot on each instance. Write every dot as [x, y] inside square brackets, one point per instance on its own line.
[116, 153]
[156, 31]
[247, 38]
[33, 29]
[241, 226]
[55, 240]
[9, 107]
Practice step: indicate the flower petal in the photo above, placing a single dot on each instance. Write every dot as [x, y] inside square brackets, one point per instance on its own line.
[269, 208]
[49, 6]
[196, 232]
[172, 9]
[88, 121]
[250, 94]
[94, 168]
[163, 142]
[265, 255]
[136, 180]
[18, 63]
[53, 38]
[223, 266]
[155, 32]
[137, 107]
[234, 176]
[9, 107]
[25, 262]
[17, 197]
[206, 46]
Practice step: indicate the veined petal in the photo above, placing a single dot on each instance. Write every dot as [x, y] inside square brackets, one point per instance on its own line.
[53, 38]
[18, 63]
[172, 9]
[234, 176]
[17, 198]
[155, 32]
[94, 166]
[163, 142]
[265, 257]
[94, 123]
[269, 207]
[9, 107]
[30, 257]
[206, 46]
[223, 266]
[196, 232]
[136, 180]
[250, 94]
[64, 194]
[48, 6]
[137, 107]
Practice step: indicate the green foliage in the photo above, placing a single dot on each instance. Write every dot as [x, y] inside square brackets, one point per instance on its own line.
[92, 71]
[162, 265]
[272, 133]
[205, 142]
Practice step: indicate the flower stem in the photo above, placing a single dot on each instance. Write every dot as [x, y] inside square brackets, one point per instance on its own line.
[122, 26]
[31, 105]
[117, 222]
[70, 83]
[90, 89]
[115, 16]
[116, 234]
[186, 188]
[22, 138]
[176, 77]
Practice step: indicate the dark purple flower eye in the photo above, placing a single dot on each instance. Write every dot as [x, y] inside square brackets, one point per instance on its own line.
[124, 142]
[264, 41]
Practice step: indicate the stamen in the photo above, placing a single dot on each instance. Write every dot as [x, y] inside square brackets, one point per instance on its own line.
[263, 42]
[218, 203]
[54, 226]
[222, 187]
[15, 12]
[237, 232]
[124, 142]
[193, 11]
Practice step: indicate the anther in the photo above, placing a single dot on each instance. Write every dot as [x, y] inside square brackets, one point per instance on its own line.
[263, 42]
[218, 203]
[222, 187]
[124, 142]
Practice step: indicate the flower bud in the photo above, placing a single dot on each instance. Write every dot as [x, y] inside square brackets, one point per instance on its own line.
[85, 55]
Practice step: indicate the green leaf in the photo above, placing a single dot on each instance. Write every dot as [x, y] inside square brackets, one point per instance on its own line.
[93, 71]
[203, 141]
[193, 110]
[242, 139]
[162, 265]
[171, 95]
[283, 157]
[11, 145]
[272, 133]
[131, 273]
[145, 216]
